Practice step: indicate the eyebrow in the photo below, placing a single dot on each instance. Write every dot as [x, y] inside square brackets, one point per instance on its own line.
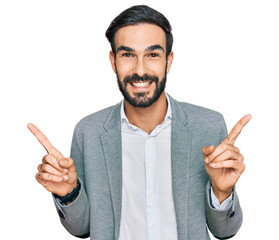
[150, 48]
[154, 47]
[125, 48]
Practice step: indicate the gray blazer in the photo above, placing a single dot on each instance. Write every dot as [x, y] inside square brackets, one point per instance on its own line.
[96, 150]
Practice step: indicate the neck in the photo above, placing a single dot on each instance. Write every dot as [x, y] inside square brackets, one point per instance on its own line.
[147, 118]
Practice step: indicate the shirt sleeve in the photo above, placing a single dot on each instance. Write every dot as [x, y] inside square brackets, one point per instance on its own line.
[216, 204]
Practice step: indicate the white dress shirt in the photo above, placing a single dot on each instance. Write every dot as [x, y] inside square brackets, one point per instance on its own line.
[147, 202]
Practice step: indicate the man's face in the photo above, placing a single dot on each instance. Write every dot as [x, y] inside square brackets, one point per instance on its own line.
[140, 63]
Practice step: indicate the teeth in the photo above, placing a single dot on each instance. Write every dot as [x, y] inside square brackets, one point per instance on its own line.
[141, 84]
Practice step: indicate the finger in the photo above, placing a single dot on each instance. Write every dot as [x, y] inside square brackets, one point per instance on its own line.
[221, 149]
[67, 163]
[50, 159]
[49, 169]
[42, 182]
[230, 139]
[227, 155]
[206, 150]
[42, 177]
[43, 140]
[238, 166]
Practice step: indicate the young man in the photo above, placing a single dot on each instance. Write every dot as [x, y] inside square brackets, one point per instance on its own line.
[148, 167]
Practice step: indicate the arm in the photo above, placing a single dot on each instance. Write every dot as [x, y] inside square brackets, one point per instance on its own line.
[75, 216]
[224, 165]
[223, 224]
[58, 175]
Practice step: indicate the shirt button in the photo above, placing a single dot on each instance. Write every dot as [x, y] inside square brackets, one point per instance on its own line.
[153, 225]
[150, 166]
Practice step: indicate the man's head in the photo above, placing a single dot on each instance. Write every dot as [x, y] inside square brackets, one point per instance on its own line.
[141, 55]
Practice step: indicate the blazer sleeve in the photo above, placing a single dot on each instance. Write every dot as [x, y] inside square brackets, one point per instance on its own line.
[223, 224]
[75, 216]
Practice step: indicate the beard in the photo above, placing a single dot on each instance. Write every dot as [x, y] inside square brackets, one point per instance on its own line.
[141, 99]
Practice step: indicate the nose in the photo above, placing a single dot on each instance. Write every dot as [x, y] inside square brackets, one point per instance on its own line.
[140, 68]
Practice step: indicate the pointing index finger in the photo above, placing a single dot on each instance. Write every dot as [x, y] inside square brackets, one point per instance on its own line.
[230, 139]
[44, 141]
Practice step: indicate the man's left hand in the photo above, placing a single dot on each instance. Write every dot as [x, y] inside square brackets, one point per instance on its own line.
[224, 164]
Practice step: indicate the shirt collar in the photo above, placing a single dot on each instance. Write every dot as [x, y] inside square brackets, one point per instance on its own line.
[124, 117]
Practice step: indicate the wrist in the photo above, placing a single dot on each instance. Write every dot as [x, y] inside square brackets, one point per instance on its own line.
[221, 195]
[71, 196]
[73, 187]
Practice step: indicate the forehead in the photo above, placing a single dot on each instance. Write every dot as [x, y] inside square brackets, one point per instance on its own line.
[140, 36]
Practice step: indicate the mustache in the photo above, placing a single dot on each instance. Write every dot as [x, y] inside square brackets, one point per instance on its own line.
[137, 78]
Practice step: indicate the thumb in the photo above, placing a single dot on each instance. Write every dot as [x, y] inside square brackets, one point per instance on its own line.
[66, 163]
[206, 150]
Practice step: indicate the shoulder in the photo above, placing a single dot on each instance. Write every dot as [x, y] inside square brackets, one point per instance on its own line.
[96, 121]
[204, 122]
[198, 116]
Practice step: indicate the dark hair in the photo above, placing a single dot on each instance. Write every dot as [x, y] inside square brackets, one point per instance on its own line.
[140, 14]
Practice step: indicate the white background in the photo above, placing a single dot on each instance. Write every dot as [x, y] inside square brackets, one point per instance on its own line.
[54, 70]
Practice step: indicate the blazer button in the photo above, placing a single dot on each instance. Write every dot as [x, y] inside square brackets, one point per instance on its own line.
[232, 214]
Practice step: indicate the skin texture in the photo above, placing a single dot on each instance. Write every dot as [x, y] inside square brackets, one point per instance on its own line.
[56, 173]
[141, 50]
[135, 54]
[224, 163]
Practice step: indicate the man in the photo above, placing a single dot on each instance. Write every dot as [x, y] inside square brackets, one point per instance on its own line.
[149, 167]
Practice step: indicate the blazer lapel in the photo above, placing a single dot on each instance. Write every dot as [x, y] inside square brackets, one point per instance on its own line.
[112, 147]
[180, 157]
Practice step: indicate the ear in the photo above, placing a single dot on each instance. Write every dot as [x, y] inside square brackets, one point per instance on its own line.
[169, 61]
[112, 60]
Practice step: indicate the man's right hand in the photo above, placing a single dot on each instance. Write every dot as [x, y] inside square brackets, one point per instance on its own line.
[56, 173]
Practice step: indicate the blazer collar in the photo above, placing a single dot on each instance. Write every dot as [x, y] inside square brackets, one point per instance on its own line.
[180, 159]
[113, 120]
[179, 117]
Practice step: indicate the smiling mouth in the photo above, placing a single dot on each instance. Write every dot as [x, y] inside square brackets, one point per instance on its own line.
[140, 84]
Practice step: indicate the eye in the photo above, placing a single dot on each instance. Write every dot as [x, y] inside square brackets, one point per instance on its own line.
[153, 55]
[126, 55]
